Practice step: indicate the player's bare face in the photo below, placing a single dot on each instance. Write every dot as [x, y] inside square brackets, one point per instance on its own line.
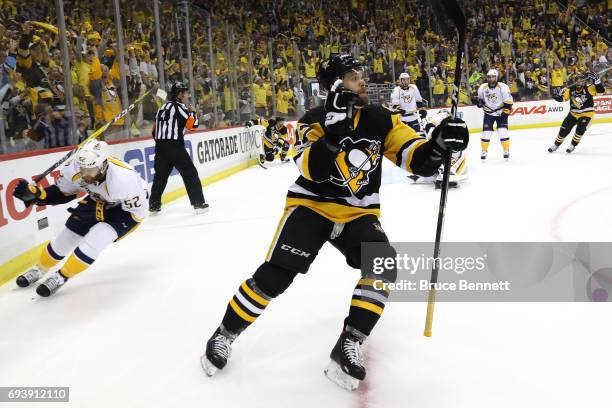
[492, 80]
[354, 81]
[404, 83]
[90, 176]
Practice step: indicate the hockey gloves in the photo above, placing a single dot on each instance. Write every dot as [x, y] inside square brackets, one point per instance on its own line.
[423, 113]
[28, 193]
[594, 78]
[249, 124]
[558, 94]
[339, 111]
[451, 134]
[398, 109]
[477, 101]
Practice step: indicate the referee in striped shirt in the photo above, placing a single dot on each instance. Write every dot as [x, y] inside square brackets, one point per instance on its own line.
[171, 121]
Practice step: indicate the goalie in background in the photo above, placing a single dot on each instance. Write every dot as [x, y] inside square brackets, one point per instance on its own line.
[458, 170]
[275, 138]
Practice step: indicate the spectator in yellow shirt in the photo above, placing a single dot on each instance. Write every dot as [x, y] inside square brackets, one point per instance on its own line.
[438, 91]
[259, 96]
[282, 100]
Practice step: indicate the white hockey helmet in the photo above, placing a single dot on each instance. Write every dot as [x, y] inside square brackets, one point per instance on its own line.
[404, 80]
[493, 72]
[93, 155]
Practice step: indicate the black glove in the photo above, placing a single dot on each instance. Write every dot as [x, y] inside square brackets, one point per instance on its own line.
[558, 94]
[476, 101]
[28, 193]
[339, 111]
[593, 77]
[423, 113]
[249, 124]
[451, 134]
[398, 109]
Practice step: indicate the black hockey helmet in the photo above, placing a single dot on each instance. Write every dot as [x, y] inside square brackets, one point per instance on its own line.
[177, 88]
[333, 68]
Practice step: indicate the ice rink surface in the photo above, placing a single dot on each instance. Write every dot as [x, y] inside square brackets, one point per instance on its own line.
[129, 332]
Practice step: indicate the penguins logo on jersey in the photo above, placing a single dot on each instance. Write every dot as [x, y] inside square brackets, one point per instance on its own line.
[578, 101]
[355, 162]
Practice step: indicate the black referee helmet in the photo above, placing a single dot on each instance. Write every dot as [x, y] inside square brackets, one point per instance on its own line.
[176, 89]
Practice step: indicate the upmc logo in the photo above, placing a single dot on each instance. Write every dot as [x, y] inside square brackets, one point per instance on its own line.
[143, 161]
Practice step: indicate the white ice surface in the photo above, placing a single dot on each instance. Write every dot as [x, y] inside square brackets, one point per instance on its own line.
[129, 332]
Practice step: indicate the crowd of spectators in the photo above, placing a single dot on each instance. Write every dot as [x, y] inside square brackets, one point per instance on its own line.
[266, 53]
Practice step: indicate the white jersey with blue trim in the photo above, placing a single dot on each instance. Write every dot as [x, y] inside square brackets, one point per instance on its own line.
[122, 185]
[493, 99]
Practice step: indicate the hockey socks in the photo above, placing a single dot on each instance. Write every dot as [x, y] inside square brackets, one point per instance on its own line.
[245, 307]
[367, 305]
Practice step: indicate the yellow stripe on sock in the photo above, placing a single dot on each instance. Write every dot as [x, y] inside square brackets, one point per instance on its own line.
[370, 282]
[254, 295]
[485, 146]
[73, 266]
[241, 312]
[368, 306]
[506, 144]
[46, 261]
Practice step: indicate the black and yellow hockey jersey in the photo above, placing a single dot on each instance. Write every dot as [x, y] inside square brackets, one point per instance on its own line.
[272, 133]
[581, 101]
[344, 185]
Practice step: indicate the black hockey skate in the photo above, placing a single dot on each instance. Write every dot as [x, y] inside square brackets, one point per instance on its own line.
[154, 208]
[218, 351]
[346, 367]
[51, 285]
[29, 277]
[201, 208]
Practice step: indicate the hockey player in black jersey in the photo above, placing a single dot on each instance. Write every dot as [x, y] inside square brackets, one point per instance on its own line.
[336, 200]
[274, 138]
[582, 109]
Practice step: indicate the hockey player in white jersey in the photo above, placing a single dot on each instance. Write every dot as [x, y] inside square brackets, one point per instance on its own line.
[406, 99]
[458, 169]
[115, 204]
[496, 101]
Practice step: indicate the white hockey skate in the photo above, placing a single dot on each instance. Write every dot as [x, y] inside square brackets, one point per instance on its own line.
[483, 155]
[51, 285]
[218, 351]
[570, 149]
[507, 155]
[346, 368]
[553, 148]
[31, 276]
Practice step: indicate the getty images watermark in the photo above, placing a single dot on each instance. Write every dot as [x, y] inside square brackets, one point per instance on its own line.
[492, 271]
